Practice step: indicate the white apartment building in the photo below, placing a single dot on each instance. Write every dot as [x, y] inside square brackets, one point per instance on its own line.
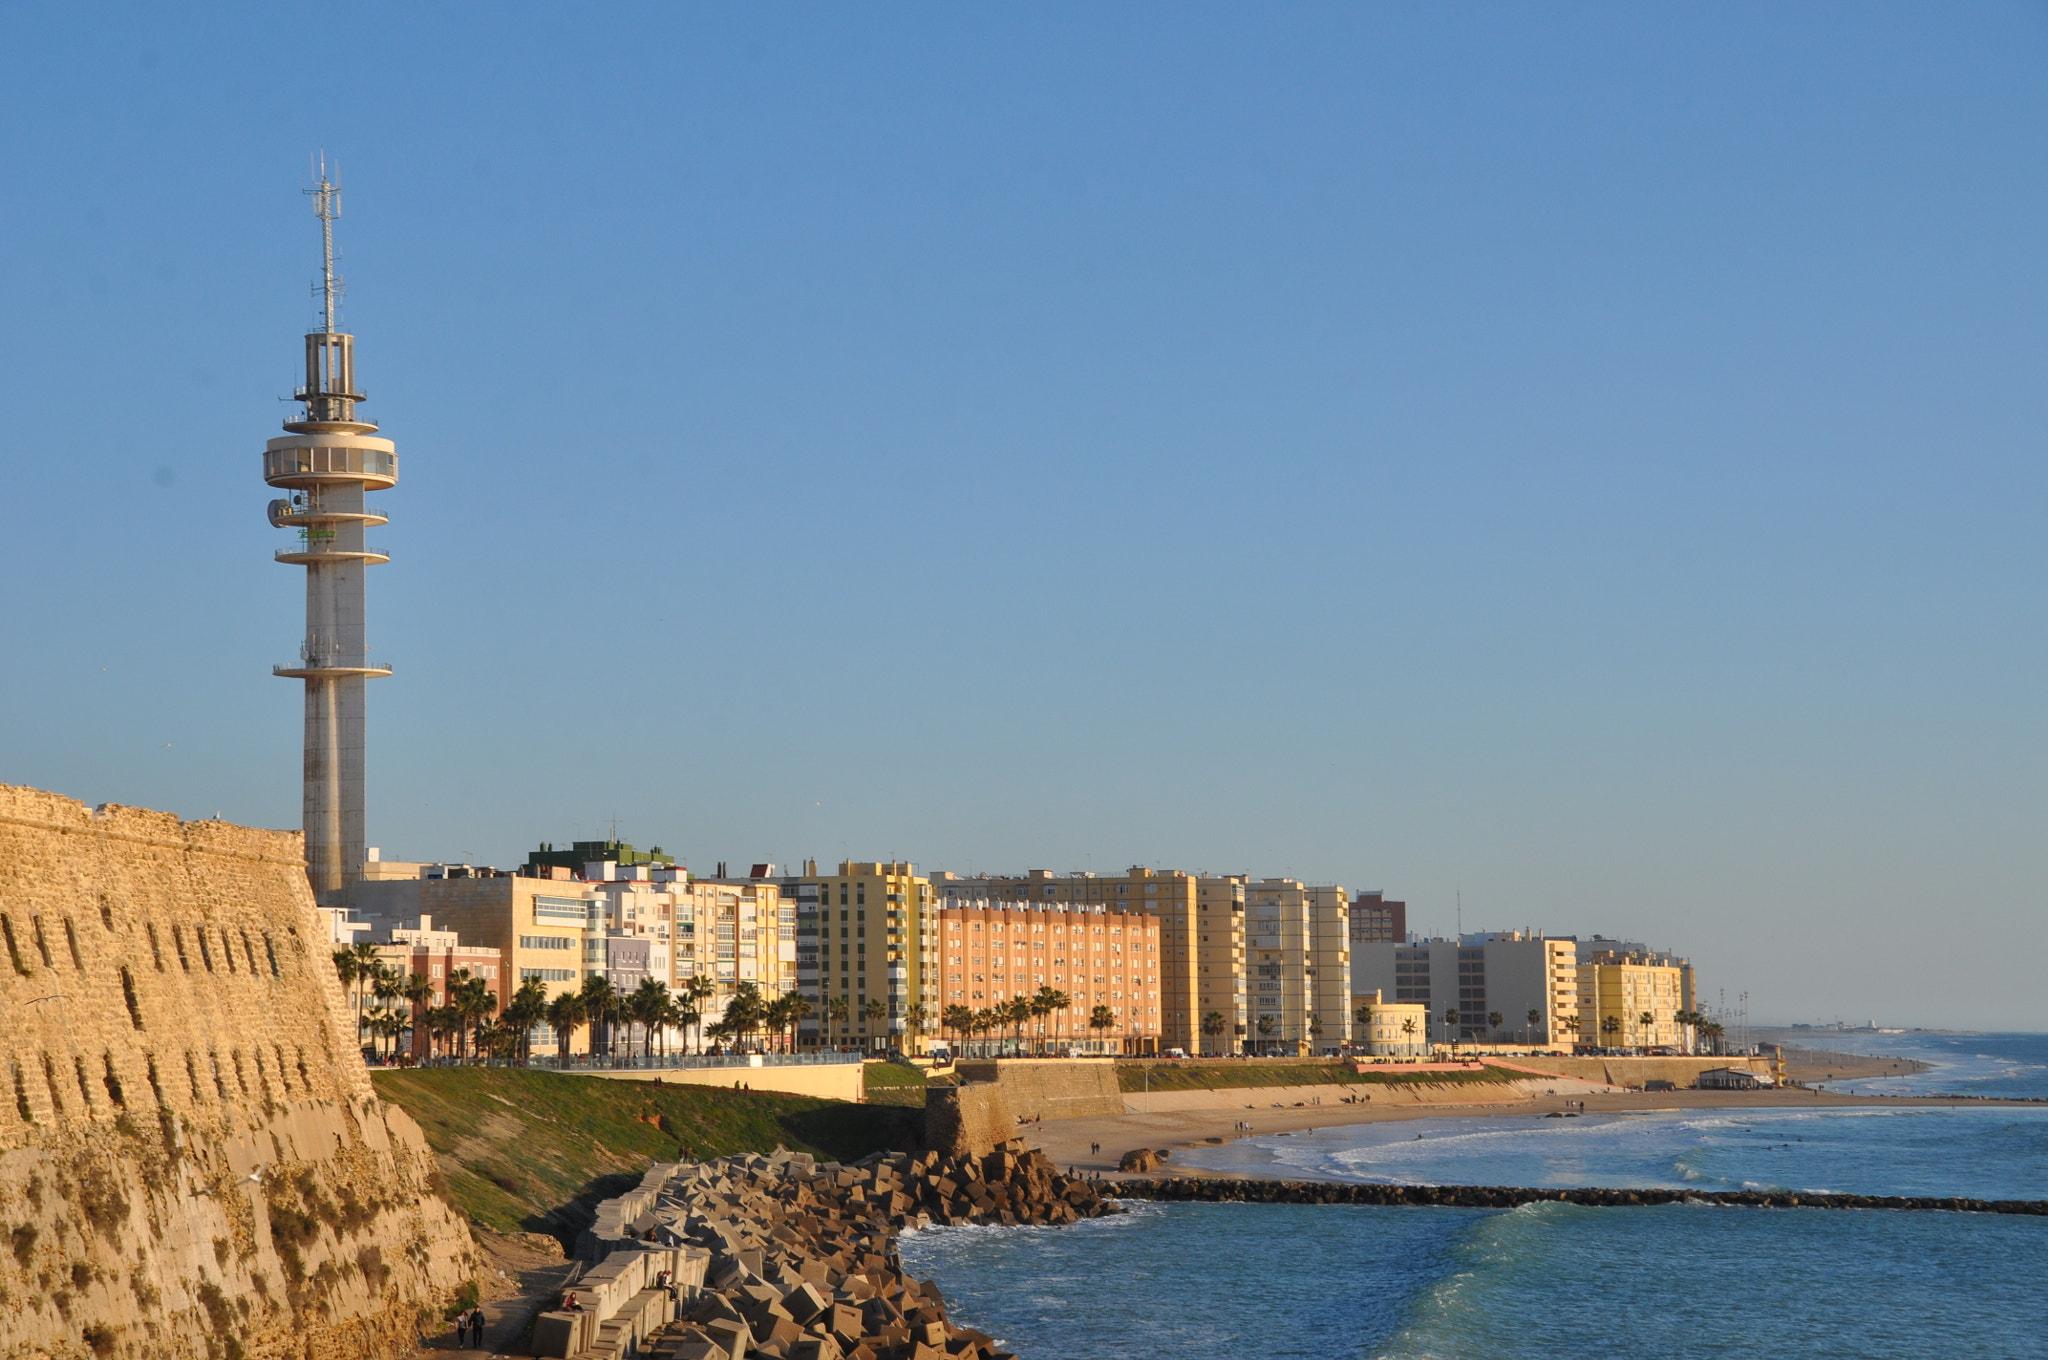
[1510, 973]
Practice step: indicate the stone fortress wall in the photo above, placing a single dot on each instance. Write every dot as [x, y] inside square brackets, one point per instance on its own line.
[192, 1160]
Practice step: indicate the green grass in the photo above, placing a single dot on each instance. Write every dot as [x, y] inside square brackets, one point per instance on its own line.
[1230, 1076]
[894, 1074]
[527, 1151]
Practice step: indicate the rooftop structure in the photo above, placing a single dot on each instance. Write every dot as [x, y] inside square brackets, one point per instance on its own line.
[328, 462]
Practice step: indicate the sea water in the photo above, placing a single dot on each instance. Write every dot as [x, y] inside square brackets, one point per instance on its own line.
[1195, 1281]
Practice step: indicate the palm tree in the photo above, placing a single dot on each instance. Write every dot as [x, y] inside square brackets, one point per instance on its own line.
[600, 1004]
[800, 1009]
[839, 1011]
[1101, 1018]
[1212, 1024]
[1267, 1024]
[1451, 1018]
[645, 1006]
[1494, 1020]
[1363, 1015]
[745, 1012]
[1535, 1018]
[565, 1013]
[876, 1011]
[1610, 1025]
[984, 1021]
[775, 1016]
[386, 985]
[357, 964]
[958, 1018]
[1315, 1029]
[678, 1014]
[472, 997]
[348, 970]
[419, 990]
[1648, 1022]
[1037, 1007]
[1056, 1001]
[1408, 1028]
[528, 1007]
[914, 1021]
[700, 989]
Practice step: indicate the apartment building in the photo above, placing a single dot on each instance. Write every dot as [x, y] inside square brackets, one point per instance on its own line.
[1171, 1006]
[991, 952]
[895, 966]
[1391, 1029]
[1298, 958]
[1512, 974]
[1632, 999]
[1375, 920]
[541, 928]
[1329, 923]
[1222, 1006]
[422, 949]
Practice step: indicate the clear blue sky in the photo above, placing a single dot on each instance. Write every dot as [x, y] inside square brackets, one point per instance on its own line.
[1588, 458]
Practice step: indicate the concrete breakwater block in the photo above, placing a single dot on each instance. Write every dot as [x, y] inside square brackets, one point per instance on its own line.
[800, 1259]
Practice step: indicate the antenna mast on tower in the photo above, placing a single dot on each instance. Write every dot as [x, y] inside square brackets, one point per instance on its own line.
[326, 196]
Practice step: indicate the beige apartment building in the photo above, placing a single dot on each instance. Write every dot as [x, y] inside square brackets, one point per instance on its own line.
[1222, 1010]
[1329, 925]
[877, 942]
[1617, 990]
[993, 952]
[1391, 1029]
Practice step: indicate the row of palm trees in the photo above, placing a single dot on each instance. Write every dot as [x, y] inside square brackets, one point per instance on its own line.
[1019, 1011]
[469, 1023]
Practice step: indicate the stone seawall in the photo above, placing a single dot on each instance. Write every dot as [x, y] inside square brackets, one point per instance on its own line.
[1050, 1088]
[192, 1160]
[783, 1257]
[1225, 1190]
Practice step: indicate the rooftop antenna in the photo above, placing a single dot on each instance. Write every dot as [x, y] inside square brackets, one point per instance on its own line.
[327, 206]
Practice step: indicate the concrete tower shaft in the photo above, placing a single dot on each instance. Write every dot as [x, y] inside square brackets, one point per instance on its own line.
[328, 463]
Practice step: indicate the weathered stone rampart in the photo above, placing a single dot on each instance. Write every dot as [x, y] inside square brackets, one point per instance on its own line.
[192, 1160]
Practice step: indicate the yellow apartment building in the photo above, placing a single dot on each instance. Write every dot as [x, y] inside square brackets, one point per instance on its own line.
[877, 942]
[1616, 990]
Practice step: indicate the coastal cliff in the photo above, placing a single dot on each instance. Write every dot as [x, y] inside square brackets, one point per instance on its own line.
[193, 1162]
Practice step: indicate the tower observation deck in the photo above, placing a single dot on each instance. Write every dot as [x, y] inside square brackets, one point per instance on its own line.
[327, 464]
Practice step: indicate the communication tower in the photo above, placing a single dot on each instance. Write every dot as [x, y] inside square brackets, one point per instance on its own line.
[327, 464]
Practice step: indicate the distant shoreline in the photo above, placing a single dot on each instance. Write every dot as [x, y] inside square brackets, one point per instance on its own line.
[1068, 1141]
[1807, 1065]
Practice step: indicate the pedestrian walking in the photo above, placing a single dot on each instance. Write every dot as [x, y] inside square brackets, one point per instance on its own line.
[476, 1326]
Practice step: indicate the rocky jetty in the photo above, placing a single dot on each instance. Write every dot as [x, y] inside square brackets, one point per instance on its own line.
[1219, 1190]
[785, 1257]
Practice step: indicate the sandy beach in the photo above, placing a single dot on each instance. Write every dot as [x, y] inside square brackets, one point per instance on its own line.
[1068, 1141]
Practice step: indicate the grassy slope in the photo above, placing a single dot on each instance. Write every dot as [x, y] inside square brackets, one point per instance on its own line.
[532, 1151]
[1174, 1076]
[892, 1083]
